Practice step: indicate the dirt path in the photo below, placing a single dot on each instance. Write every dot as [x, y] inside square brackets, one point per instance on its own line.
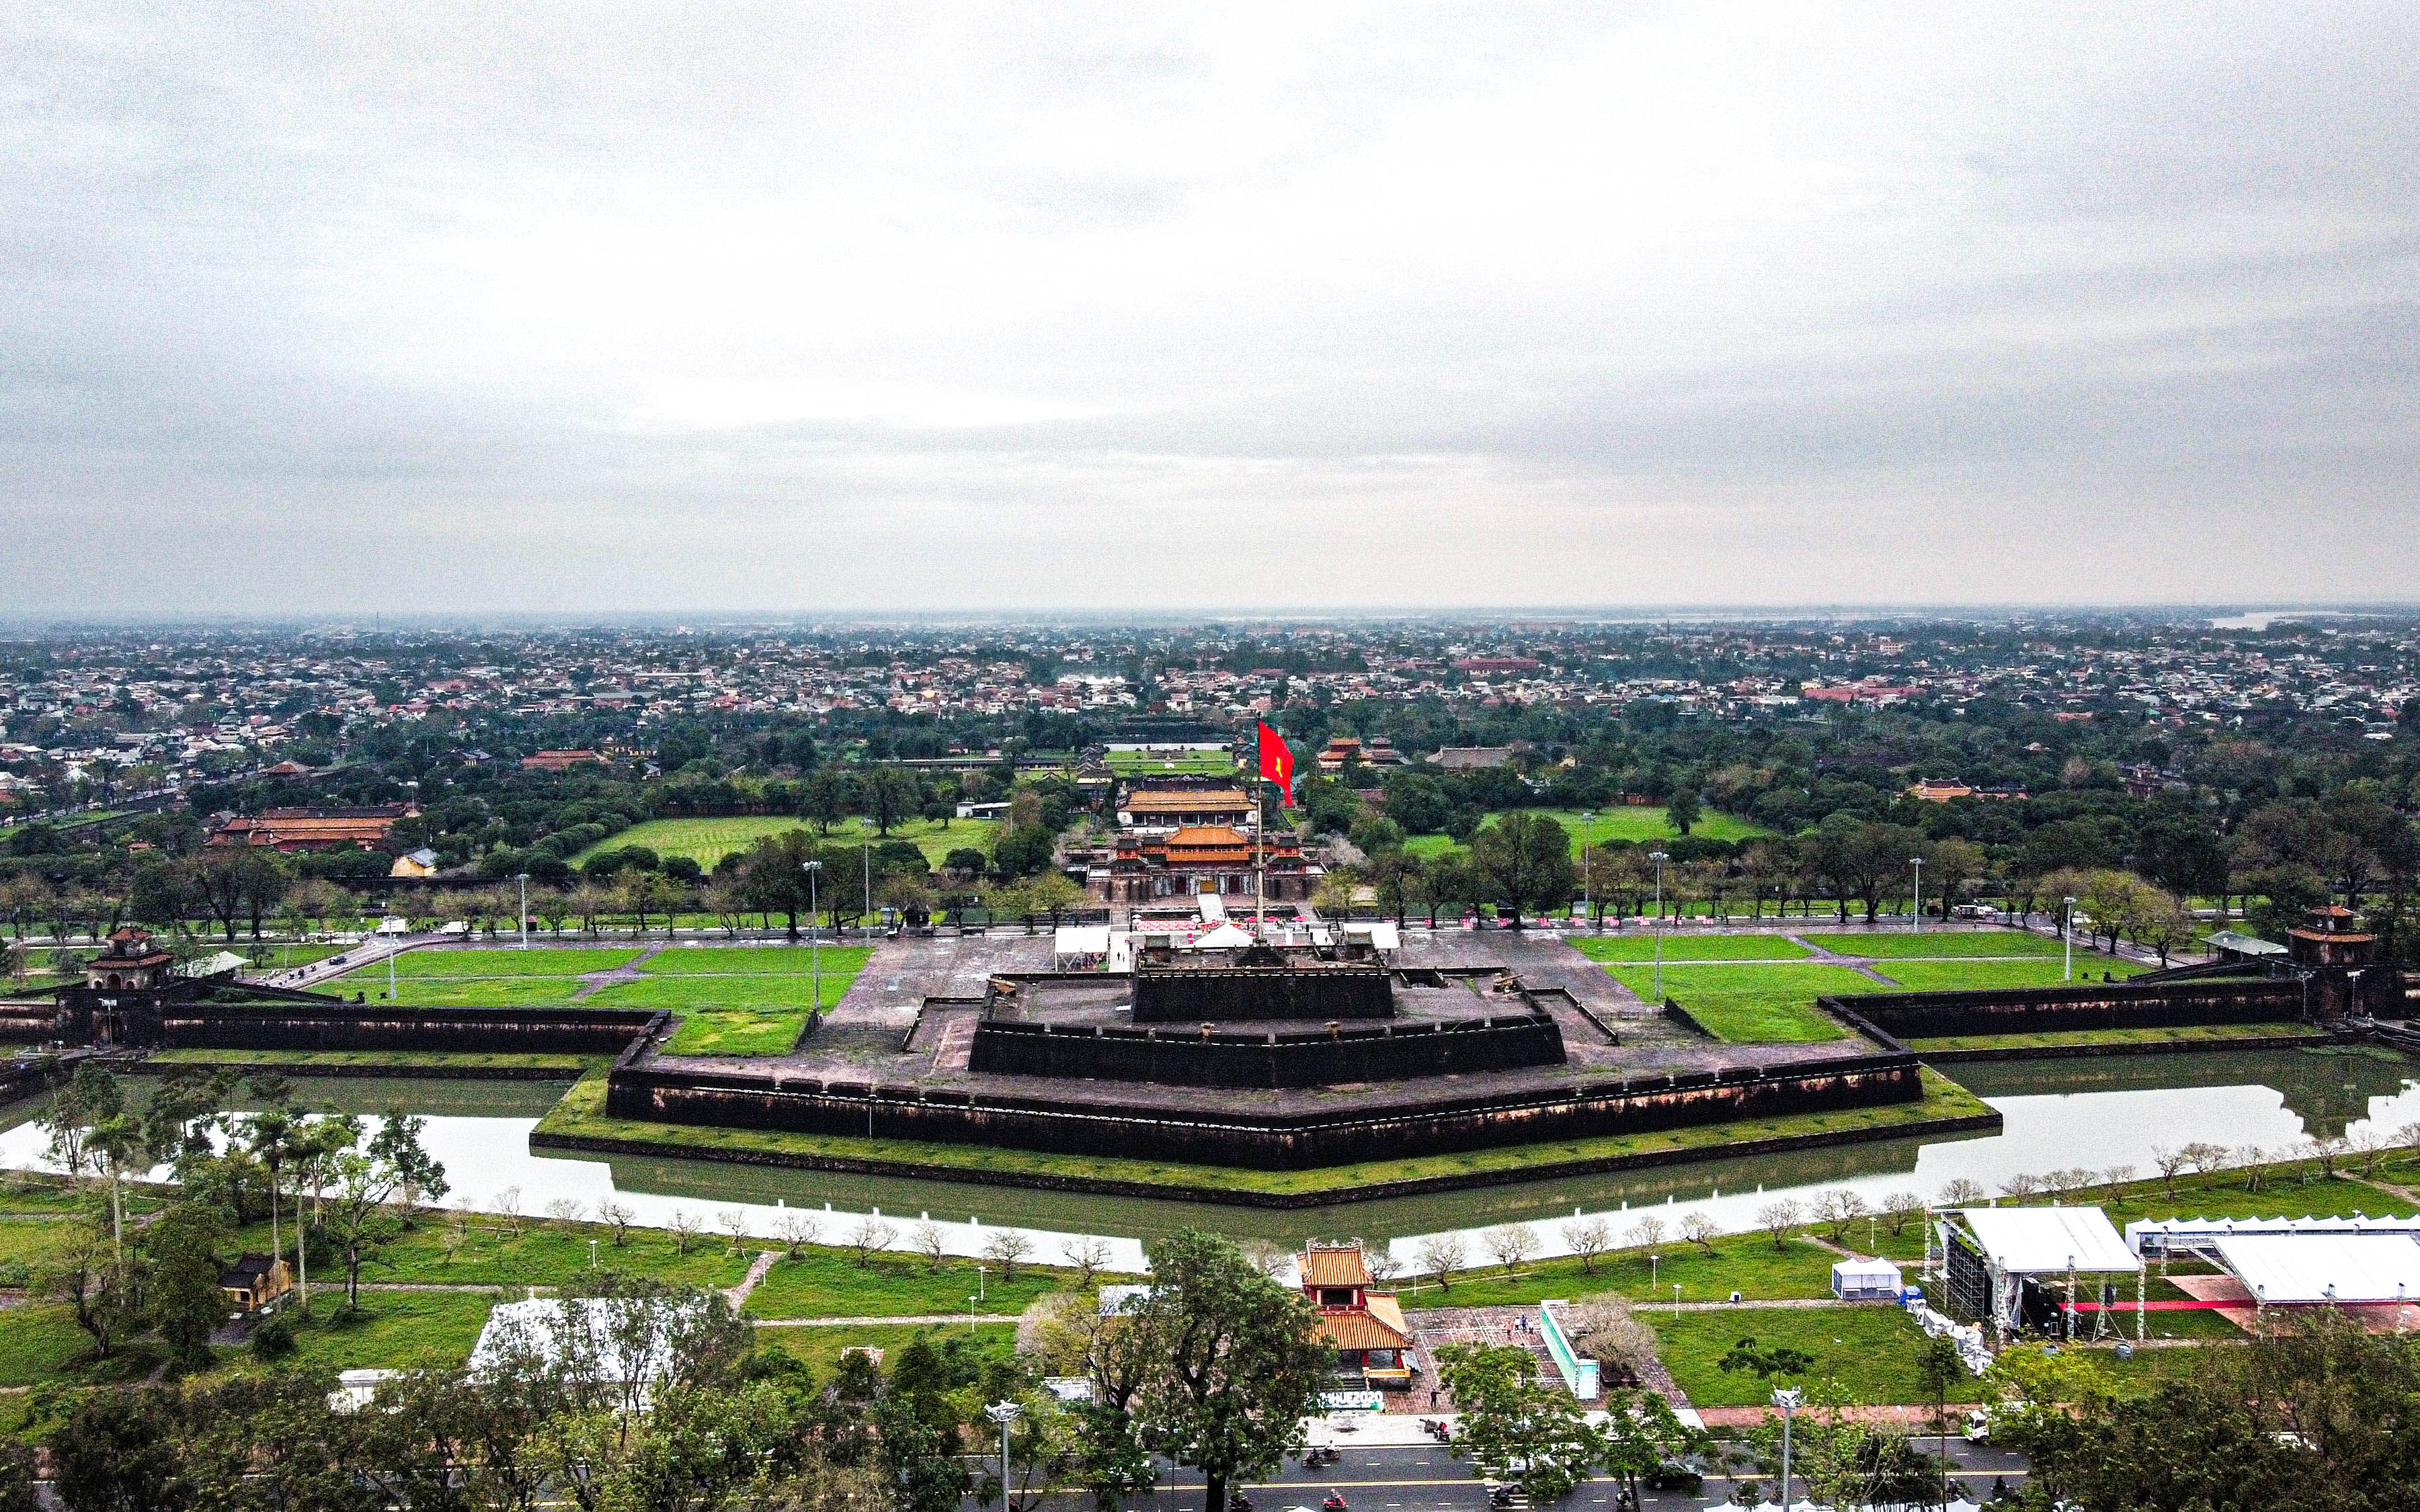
[756, 1269]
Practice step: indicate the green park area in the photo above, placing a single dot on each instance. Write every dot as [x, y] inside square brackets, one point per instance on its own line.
[1634, 823]
[1191, 764]
[734, 999]
[708, 840]
[1748, 988]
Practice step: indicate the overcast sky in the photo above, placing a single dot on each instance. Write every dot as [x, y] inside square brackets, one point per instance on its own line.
[601, 308]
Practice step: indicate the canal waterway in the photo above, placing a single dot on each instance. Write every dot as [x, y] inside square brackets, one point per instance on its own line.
[2095, 1114]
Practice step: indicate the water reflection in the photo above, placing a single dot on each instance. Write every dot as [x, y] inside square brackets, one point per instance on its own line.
[2058, 1114]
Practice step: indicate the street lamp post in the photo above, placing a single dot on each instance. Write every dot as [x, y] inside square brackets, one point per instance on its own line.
[1003, 1413]
[1789, 1398]
[865, 849]
[1918, 862]
[1587, 894]
[1659, 858]
[2066, 937]
[523, 879]
[814, 939]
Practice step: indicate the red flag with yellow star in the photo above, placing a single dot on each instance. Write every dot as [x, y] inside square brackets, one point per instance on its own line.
[1277, 764]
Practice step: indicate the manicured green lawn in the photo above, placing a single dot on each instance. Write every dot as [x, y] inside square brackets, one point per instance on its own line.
[1194, 763]
[393, 1330]
[487, 963]
[821, 1347]
[582, 1112]
[1745, 1263]
[739, 1000]
[1640, 945]
[1618, 823]
[286, 957]
[1935, 944]
[546, 1253]
[1752, 1003]
[829, 1282]
[708, 840]
[1867, 1352]
[1965, 976]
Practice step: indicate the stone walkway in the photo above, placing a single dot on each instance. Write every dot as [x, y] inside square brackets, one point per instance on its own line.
[596, 981]
[756, 1269]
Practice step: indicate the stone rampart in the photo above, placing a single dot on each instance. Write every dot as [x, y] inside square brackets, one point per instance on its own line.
[1140, 1127]
[1328, 990]
[374, 1026]
[2084, 1006]
[1228, 1057]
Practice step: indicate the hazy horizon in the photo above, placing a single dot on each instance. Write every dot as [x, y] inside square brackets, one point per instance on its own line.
[794, 311]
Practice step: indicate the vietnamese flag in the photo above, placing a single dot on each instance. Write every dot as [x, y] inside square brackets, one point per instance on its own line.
[1277, 763]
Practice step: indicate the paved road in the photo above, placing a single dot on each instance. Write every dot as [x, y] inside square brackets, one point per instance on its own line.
[1431, 1480]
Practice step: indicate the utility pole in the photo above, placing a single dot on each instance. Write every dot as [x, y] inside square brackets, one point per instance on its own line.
[1918, 862]
[1005, 1414]
[523, 879]
[814, 937]
[865, 849]
[2066, 937]
[1789, 1399]
[1659, 858]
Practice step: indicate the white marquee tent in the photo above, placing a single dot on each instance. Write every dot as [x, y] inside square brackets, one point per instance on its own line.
[2284, 1269]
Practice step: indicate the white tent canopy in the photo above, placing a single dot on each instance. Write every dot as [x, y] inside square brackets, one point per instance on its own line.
[2048, 1241]
[1225, 937]
[1081, 941]
[2155, 1237]
[1865, 1278]
[2319, 1268]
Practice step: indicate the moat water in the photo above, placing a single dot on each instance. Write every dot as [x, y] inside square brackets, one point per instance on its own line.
[2058, 1114]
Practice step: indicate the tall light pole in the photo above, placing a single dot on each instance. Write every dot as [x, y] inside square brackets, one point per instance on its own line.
[1003, 1413]
[865, 849]
[2066, 937]
[1918, 862]
[1587, 894]
[523, 879]
[1659, 858]
[1789, 1398]
[814, 939]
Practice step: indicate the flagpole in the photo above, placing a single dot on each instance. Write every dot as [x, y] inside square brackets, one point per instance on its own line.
[1260, 864]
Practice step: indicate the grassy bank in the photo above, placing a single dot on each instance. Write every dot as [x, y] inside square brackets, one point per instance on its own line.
[432, 1062]
[582, 1113]
[2191, 1034]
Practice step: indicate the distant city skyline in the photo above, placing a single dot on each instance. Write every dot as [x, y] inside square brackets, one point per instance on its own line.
[797, 311]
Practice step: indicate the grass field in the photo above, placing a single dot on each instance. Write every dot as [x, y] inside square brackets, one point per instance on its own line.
[498, 977]
[393, 1330]
[1617, 824]
[829, 1282]
[821, 1347]
[582, 1113]
[1616, 949]
[708, 840]
[1193, 764]
[738, 1000]
[1868, 1353]
[1966, 976]
[1749, 1003]
[1935, 945]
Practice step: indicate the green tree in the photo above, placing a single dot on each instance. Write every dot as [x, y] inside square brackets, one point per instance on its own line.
[185, 1302]
[1684, 808]
[827, 797]
[1227, 1362]
[1526, 861]
[118, 1452]
[1512, 1426]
